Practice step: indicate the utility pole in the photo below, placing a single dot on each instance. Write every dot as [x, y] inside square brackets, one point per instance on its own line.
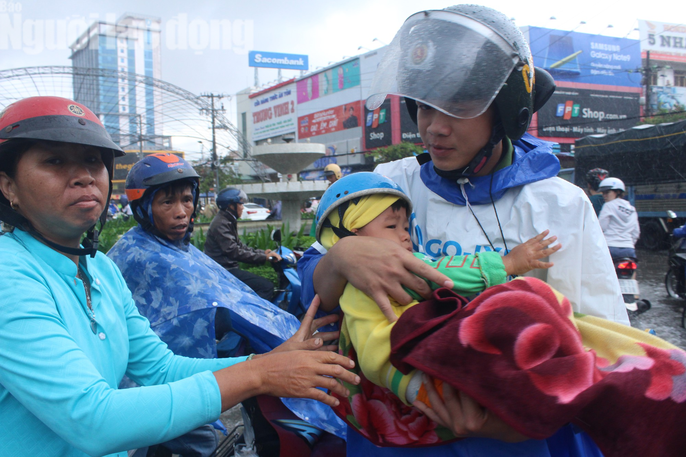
[649, 76]
[213, 114]
[140, 137]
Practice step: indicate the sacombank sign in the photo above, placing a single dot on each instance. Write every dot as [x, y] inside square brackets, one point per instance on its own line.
[278, 60]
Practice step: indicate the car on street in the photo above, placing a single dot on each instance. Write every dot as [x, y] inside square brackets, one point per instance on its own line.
[254, 212]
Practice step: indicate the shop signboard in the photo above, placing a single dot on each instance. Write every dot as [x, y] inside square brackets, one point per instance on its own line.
[377, 126]
[409, 132]
[585, 58]
[330, 120]
[664, 41]
[273, 113]
[336, 79]
[667, 98]
[574, 113]
[278, 60]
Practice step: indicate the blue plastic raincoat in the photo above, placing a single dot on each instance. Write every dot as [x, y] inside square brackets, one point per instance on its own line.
[178, 288]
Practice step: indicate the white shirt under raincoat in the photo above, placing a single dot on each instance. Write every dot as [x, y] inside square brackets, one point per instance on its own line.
[619, 222]
[528, 199]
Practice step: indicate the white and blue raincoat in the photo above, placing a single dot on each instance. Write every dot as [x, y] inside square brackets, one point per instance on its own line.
[516, 202]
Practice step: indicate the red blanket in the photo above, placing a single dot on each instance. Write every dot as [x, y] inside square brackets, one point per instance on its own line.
[519, 352]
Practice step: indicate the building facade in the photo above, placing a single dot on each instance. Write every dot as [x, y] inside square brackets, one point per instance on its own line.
[601, 88]
[663, 49]
[129, 111]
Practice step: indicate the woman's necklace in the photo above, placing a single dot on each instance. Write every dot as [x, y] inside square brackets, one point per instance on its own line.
[87, 287]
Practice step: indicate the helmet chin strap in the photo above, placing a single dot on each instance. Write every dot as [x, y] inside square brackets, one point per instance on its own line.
[481, 158]
[90, 242]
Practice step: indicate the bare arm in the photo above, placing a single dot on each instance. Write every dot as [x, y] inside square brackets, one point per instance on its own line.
[378, 268]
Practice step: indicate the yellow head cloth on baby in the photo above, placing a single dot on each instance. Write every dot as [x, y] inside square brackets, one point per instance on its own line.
[357, 216]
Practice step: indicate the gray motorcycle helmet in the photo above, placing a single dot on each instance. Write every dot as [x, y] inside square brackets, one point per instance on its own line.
[461, 60]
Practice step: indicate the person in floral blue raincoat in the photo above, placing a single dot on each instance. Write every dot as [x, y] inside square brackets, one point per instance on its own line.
[189, 299]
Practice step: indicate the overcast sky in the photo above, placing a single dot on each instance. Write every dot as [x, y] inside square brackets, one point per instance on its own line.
[325, 31]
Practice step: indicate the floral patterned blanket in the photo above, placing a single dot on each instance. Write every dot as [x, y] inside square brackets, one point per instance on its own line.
[521, 352]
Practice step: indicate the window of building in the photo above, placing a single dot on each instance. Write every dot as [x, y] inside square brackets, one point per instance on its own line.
[680, 78]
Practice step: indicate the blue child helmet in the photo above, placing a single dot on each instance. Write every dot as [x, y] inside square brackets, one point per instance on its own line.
[151, 173]
[230, 195]
[350, 187]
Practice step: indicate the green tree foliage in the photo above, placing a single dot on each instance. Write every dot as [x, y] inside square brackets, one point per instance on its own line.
[678, 113]
[395, 152]
[207, 176]
[112, 231]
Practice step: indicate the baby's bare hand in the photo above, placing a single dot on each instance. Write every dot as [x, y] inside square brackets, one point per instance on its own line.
[526, 256]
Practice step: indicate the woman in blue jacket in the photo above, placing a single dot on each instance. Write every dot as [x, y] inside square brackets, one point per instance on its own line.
[70, 328]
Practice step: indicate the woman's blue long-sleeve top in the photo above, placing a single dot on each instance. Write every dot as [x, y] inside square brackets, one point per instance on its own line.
[58, 379]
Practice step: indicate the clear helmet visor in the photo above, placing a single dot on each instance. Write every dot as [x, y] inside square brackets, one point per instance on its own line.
[448, 61]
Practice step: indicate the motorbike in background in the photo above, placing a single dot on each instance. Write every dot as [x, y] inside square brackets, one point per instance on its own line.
[625, 268]
[675, 281]
[288, 291]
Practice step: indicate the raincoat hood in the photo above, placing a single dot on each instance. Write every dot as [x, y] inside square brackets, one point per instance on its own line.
[532, 161]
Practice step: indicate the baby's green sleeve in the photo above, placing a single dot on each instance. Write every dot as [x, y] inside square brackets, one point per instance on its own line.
[470, 274]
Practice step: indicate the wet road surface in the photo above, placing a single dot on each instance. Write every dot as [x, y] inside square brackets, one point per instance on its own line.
[665, 315]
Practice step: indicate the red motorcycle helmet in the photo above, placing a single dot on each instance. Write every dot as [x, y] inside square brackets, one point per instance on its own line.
[53, 119]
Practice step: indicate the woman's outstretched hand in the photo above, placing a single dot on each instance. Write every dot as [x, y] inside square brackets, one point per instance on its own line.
[307, 337]
[301, 373]
[300, 367]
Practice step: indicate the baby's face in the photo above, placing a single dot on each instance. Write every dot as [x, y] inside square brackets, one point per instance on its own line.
[390, 225]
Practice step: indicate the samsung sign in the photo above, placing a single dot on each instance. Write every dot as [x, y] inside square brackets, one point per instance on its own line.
[278, 60]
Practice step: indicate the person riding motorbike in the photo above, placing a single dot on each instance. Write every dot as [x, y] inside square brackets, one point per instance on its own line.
[618, 219]
[468, 79]
[163, 191]
[225, 247]
[593, 179]
[332, 173]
